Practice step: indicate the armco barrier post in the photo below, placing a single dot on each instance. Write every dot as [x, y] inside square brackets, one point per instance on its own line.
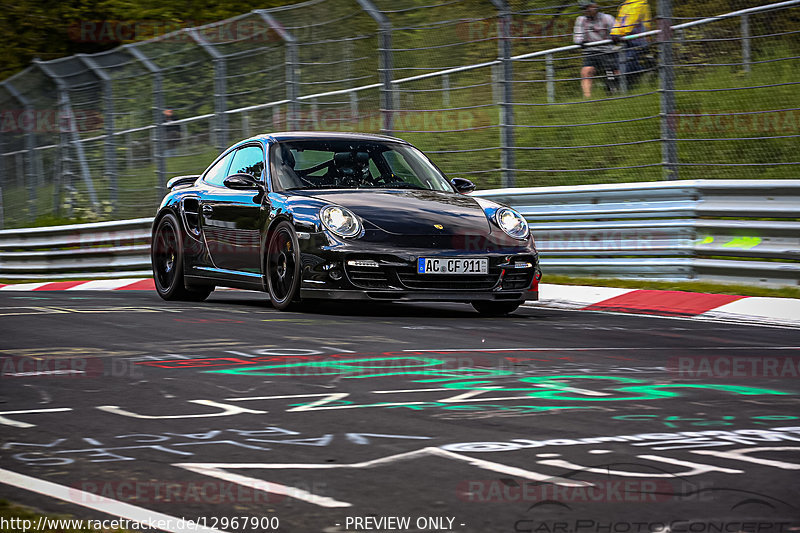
[158, 115]
[507, 92]
[386, 66]
[666, 75]
[109, 144]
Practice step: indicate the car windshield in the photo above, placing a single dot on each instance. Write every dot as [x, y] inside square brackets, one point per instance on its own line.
[353, 164]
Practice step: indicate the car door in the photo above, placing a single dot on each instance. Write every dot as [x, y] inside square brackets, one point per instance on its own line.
[230, 217]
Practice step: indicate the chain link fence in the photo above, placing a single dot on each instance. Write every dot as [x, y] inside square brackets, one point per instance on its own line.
[490, 89]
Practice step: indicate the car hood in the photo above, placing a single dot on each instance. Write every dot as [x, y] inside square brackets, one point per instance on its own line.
[411, 212]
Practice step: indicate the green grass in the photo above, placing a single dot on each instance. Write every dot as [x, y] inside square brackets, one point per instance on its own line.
[688, 286]
[11, 511]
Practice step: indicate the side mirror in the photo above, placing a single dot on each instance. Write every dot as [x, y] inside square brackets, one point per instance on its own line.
[243, 182]
[463, 185]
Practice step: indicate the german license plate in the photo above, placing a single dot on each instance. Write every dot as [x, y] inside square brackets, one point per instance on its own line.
[440, 265]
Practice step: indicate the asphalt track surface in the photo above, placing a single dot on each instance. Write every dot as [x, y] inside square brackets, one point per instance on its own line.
[403, 417]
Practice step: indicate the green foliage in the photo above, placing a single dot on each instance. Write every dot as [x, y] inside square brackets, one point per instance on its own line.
[47, 30]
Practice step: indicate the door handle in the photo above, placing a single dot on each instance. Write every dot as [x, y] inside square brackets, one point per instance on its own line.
[207, 210]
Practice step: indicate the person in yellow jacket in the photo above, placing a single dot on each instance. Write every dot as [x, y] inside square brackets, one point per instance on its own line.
[634, 17]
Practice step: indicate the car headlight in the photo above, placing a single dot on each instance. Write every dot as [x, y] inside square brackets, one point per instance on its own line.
[512, 223]
[340, 221]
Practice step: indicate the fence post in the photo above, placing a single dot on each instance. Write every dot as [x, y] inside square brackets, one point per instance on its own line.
[30, 143]
[314, 114]
[746, 42]
[246, 125]
[19, 166]
[354, 108]
[666, 75]
[3, 177]
[129, 145]
[220, 88]
[292, 87]
[158, 115]
[109, 143]
[507, 100]
[549, 73]
[65, 108]
[386, 64]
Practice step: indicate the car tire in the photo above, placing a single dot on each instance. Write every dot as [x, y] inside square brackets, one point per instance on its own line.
[282, 268]
[495, 308]
[166, 256]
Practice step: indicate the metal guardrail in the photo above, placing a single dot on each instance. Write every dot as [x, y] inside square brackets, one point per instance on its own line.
[99, 250]
[725, 230]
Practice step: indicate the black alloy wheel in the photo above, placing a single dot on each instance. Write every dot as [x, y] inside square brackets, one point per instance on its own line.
[166, 254]
[282, 268]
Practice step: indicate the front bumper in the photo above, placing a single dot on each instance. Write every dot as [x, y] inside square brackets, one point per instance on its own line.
[378, 272]
[420, 296]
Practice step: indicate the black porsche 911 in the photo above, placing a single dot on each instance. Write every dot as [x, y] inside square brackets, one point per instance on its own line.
[306, 216]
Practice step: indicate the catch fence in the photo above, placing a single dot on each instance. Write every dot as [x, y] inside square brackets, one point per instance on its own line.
[490, 89]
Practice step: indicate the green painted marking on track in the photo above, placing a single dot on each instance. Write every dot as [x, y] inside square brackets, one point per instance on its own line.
[543, 388]
[640, 392]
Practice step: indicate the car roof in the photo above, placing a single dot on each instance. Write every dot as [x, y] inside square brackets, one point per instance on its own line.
[323, 136]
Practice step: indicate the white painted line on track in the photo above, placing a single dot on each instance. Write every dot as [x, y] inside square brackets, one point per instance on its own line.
[100, 503]
[220, 471]
[266, 486]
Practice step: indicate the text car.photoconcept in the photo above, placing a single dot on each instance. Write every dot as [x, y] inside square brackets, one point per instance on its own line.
[307, 216]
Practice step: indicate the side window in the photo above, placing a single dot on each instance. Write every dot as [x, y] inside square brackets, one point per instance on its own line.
[219, 171]
[249, 160]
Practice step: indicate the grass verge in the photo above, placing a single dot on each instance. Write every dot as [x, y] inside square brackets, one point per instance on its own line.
[16, 517]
